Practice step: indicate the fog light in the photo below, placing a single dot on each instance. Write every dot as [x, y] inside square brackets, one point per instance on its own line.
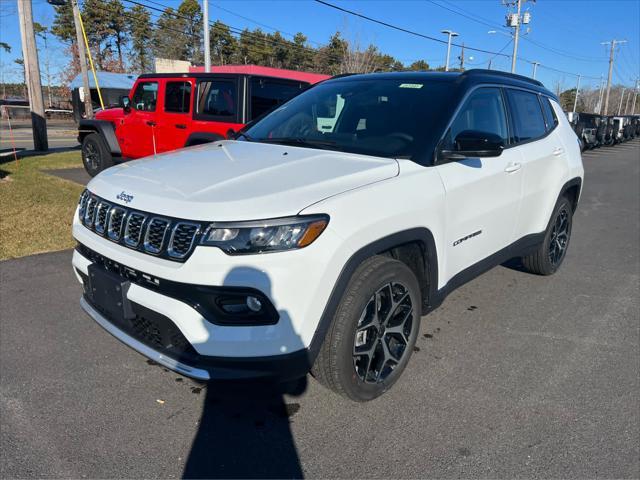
[254, 304]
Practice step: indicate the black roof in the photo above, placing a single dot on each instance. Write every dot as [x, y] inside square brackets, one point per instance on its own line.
[468, 77]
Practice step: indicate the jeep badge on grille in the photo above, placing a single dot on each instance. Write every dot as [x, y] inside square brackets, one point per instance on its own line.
[125, 197]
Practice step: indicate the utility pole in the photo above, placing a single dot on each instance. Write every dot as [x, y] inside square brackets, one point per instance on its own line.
[450, 34]
[82, 57]
[613, 46]
[635, 97]
[575, 101]
[626, 105]
[535, 68]
[515, 20]
[516, 37]
[621, 98]
[32, 69]
[207, 47]
[600, 93]
[490, 62]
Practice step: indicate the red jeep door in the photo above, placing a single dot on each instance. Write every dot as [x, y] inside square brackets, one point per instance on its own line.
[217, 106]
[174, 123]
[136, 131]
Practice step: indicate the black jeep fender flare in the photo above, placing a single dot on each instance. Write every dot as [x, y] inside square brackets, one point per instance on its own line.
[103, 128]
[198, 138]
[421, 235]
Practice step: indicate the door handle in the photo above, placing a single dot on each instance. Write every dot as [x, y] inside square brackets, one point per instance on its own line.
[513, 167]
[181, 126]
[150, 123]
[558, 151]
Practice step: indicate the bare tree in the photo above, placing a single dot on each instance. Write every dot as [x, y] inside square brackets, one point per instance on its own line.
[358, 60]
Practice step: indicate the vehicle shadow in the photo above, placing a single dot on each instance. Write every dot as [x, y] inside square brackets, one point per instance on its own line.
[244, 430]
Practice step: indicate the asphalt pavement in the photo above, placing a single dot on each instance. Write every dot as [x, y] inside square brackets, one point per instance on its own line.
[515, 376]
[61, 134]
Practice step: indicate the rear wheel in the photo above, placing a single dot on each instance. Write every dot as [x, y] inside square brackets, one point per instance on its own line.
[373, 332]
[551, 252]
[95, 154]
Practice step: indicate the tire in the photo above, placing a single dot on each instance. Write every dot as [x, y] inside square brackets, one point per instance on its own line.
[546, 260]
[96, 157]
[386, 286]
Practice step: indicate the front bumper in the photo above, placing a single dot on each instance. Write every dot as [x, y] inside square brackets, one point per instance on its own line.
[279, 367]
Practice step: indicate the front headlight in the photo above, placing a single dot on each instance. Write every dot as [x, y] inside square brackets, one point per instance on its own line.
[265, 235]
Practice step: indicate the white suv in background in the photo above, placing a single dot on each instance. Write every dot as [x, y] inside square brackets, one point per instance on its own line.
[317, 239]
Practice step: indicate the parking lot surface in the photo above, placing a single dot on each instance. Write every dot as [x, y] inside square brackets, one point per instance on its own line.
[514, 376]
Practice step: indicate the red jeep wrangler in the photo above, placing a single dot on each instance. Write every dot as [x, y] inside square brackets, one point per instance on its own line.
[169, 111]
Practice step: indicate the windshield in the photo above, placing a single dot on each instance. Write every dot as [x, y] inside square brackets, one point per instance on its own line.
[387, 118]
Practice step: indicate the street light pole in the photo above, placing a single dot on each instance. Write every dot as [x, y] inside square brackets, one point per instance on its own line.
[535, 68]
[450, 34]
[207, 47]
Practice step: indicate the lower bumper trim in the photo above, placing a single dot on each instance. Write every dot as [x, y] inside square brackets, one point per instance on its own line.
[196, 373]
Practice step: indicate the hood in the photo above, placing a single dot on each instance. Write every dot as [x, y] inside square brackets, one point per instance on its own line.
[229, 180]
[110, 114]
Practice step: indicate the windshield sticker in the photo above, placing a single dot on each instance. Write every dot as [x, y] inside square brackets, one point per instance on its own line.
[411, 85]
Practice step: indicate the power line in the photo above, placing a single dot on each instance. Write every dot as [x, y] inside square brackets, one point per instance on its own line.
[401, 29]
[411, 32]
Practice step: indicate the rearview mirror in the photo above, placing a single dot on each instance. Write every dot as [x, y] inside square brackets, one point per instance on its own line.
[125, 103]
[473, 143]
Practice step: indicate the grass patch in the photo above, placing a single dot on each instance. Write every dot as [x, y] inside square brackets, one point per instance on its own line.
[36, 208]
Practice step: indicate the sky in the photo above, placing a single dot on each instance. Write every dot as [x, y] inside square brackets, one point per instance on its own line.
[564, 35]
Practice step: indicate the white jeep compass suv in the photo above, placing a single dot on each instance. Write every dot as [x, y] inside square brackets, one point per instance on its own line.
[317, 238]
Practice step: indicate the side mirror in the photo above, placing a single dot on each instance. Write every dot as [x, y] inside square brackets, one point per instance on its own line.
[125, 103]
[472, 143]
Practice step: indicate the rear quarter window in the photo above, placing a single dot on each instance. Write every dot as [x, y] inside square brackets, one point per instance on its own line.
[550, 117]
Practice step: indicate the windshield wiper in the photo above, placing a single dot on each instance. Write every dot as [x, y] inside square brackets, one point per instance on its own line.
[243, 134]
[298, 141]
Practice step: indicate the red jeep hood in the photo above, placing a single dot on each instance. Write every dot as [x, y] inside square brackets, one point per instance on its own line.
[110, 114]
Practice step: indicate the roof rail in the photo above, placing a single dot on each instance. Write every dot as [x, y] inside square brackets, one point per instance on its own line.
[481, 71]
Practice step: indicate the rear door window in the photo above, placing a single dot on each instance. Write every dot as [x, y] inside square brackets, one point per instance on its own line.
[177, 97]
[145, 97]
[219, 99]
[267, 94]
[529, 123]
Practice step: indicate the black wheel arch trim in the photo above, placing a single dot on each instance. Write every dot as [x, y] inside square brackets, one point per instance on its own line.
[574, 182]
[435, 296]
[198, 138]
[420, 234]
[103, 128]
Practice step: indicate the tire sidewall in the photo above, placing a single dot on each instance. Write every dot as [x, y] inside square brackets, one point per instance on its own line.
[104, 157]
[348, 316]
[566, 204]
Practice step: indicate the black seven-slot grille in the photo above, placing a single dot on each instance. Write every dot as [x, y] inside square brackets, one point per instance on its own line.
[165, 237]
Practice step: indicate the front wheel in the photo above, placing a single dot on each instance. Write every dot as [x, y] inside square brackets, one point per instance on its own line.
[550, 254]
[95, 154]
[373, 332]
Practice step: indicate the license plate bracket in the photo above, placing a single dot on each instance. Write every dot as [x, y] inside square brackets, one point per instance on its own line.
[108, 291]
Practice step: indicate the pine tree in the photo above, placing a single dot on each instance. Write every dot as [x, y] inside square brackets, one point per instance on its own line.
[63, 26]
[118, 29]
[191, 14]
[419, 65]
[141, 33]
[223, 45]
